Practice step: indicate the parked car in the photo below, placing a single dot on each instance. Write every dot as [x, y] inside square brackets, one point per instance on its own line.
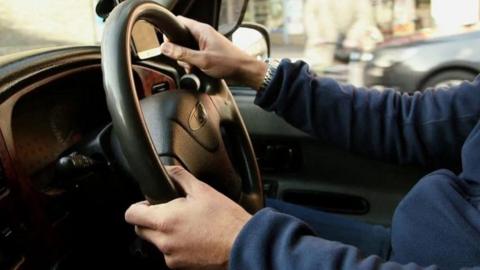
[419, 62]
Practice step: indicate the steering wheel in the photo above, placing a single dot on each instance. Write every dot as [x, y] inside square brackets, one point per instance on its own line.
[202, 131]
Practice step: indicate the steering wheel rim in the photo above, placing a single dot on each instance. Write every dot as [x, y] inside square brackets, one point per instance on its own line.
[129, 123]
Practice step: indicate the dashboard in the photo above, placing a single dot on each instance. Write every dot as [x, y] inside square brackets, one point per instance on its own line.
[54, 117]
[51, 119]
[47, 108]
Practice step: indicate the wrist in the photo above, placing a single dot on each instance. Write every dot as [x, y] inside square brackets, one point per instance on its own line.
[259, 75]
[272, 66]
[236, 226]
[253, 73]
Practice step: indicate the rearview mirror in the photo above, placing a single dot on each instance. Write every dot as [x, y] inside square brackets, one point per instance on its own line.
[231, 15]
[253, 39]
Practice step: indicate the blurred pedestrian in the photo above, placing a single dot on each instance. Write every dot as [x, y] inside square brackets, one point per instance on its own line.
[330, 24]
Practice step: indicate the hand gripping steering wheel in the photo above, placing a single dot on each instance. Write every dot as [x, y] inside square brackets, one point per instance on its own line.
[202, 131]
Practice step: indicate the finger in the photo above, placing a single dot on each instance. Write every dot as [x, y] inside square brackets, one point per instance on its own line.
[165, 38]
[186, 66]
[183, 54]
[196, 28]
[141, 214]
[154, 237]
[182, 177]
[144, 203]
[174, 262]
[160, 217]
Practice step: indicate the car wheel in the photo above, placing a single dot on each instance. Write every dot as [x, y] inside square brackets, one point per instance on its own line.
[449, 78]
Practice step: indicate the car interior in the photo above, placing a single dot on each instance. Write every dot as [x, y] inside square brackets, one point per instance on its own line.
[86, 131]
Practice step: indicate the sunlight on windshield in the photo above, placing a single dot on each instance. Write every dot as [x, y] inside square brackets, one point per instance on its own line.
[30, 24]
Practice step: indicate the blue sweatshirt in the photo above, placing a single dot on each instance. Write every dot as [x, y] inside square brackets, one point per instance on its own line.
[436, 226]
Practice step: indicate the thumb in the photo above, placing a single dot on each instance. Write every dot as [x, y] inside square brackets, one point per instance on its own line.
[182, 177]
[180, 53]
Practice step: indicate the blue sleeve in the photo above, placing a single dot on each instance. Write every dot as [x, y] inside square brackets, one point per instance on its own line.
[426, 128]
[274, 241]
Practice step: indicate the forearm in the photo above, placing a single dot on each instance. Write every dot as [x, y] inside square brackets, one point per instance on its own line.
[427, 127]
[272, 240]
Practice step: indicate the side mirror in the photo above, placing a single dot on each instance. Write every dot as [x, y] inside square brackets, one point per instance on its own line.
[254, 39]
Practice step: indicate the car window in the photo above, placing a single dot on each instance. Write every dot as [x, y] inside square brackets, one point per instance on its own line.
[31, 24]
[335, 36]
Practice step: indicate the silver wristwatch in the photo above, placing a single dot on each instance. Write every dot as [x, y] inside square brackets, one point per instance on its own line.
[271, 70]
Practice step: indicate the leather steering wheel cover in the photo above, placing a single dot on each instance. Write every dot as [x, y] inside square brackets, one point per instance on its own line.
[129, 124]
[122, 100]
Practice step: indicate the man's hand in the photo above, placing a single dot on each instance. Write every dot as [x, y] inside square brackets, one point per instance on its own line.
[217, 56]
[193, 232]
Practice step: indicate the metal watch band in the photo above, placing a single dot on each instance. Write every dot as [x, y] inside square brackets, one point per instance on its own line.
[271, 70]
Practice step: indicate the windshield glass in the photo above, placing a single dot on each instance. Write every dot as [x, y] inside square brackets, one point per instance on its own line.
[349, 39]
[31, 24]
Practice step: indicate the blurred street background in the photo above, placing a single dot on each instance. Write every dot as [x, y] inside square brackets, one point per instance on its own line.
[324, 33]
[293, 22]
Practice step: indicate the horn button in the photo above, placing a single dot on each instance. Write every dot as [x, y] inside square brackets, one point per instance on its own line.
[186, 126]
[195, 113]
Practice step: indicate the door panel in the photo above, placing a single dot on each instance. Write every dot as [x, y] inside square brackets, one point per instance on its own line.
[301, 169]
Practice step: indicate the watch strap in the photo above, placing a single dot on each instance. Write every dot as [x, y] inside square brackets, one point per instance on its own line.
[272, 66]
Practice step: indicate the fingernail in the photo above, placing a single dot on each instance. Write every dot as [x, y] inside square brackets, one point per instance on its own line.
[167, 48]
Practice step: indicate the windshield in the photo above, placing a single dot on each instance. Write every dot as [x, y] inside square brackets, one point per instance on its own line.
[31, 24]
